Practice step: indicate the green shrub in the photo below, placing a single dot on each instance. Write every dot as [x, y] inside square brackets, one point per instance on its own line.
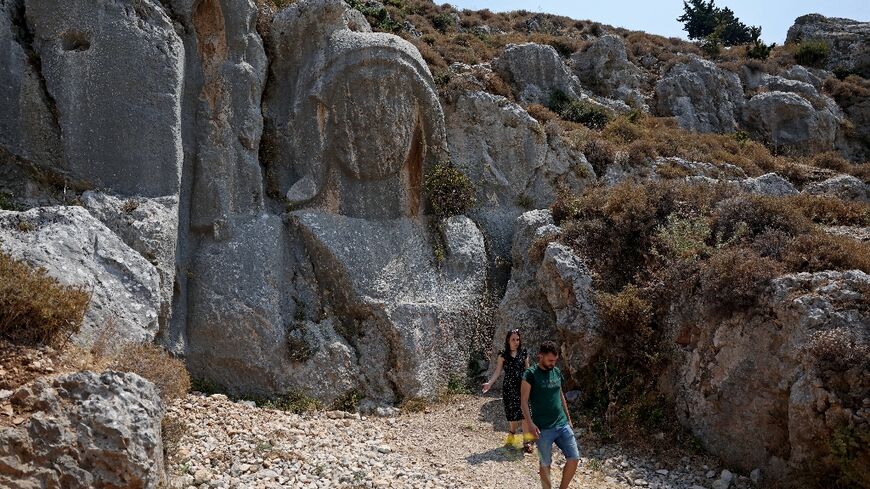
[684, 238]
[812, 53]
[36, 308]
[6, 203]
[294, 402]
[449, 191]
[579, 111]
[443, 21]
[759, 50]
[349, 402]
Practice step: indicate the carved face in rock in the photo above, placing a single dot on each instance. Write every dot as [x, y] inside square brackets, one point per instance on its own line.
[363, 119]
[370, 122]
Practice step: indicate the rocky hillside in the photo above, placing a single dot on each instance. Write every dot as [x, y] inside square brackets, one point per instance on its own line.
[350, 204]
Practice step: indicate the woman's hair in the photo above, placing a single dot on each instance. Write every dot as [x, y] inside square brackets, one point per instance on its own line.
[507, 340]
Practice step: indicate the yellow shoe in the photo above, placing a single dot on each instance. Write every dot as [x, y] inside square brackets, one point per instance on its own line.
[510, 440]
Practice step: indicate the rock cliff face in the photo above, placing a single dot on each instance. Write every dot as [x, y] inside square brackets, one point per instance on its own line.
[200, 183]
[773, 388]
[846, 39]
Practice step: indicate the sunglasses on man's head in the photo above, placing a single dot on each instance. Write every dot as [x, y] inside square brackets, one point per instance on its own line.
[516, 330]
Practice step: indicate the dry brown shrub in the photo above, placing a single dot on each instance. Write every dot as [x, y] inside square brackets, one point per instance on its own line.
[623, 130]
[735, 278]
[36, 308]
[541, 113]
[600, 153]
[641, 152]
[625, 312]
[830, 210]
[817, 252]
[155, 364]
[744, 217]
[832, 160]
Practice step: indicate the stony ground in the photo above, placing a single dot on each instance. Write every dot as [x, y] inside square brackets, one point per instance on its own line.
[457, 445]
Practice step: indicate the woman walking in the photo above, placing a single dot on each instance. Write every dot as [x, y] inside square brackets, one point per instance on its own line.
[514, 359]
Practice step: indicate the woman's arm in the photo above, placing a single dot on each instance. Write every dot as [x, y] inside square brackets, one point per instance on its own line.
[527, 362]
[488, 384]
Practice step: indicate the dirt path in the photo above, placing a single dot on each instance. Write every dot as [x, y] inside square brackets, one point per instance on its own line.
[457, 444]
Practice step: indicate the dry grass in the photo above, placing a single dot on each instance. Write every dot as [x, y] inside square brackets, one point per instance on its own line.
[155, 364]
[35, 308]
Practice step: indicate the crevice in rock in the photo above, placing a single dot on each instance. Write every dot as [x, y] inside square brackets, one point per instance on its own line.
[24, 37]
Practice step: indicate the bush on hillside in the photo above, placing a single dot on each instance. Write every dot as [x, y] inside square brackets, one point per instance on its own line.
[450, 192]
[34, 307]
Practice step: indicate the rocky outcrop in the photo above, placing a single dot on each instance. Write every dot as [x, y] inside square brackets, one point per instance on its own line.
[845, 187]
[773, 387]
[77, 249]
[768, 184]
[513, 163]
[85, 430]
[846, 38]
[701, 96]
[535, 72]
[789, 121]
[604, 68]
[149, 226]
[549, 296]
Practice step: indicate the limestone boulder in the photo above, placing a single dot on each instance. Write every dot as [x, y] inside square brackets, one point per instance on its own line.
[768, 184]
[789, 121]
[604, 68]
[535, 72]
[149, 226]
[119, 130]
[512, 161]
[770, 387]
[549, 295]
[803, 74]
[77, 249]
[846, 187]
[701, 96]
[846, 39]
[85, 430]
[567, 283]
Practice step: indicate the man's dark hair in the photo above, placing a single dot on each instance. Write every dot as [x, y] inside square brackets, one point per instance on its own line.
[548, 347]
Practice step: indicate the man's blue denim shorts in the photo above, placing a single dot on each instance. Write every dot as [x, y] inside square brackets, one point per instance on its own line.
[563, 437]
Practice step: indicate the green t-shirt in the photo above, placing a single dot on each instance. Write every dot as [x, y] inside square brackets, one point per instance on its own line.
[545, 398]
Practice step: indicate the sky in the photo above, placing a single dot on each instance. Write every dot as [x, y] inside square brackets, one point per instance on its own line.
[660, 17]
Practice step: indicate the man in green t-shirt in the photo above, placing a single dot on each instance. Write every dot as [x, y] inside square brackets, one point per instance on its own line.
[549, 420]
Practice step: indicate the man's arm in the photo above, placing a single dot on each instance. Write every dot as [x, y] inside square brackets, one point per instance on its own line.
[565, 407]
[525, 390]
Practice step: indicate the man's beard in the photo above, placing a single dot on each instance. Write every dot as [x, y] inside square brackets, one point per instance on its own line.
[547, 369]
